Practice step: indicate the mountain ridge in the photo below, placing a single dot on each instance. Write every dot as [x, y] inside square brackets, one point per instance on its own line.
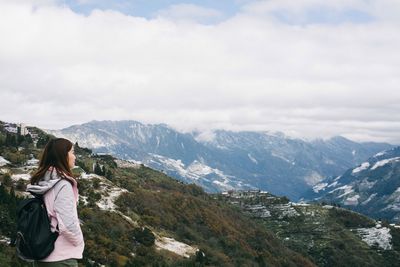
[372, 187]
[238, 160]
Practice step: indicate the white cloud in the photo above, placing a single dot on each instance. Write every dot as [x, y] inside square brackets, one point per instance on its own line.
[247, 72]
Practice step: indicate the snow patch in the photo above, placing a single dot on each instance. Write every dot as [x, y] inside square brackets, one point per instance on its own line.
[95, 141]
[328, 161]
[313, 178]
[281, 157]
[319, 187]
[109, 192]
[252, 158]
[337, 178]
[300, 204]
[3, 161]
[394, 198]
[287, 210]
[258, 210]
[83, 199]
[376, 236]
[223, 185]
[127, 163]
[158, 141]
[362, 167]
[365, 202]
[205, 137]
[5, 240]
[89, 176]
[394, 207]
[380, 154]
[17, 177]
[128, 219]
[176, 247]
[107, 200]
[365, 184]
[384, 162]
[333, 184]
[195, 171]
[32, 162]
[347, 189]
[170, 164]
[352, 201]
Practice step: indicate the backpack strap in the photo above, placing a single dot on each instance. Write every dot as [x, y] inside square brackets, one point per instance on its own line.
[42, 195]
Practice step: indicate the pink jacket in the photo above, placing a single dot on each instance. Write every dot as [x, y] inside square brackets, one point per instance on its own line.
[61, 200]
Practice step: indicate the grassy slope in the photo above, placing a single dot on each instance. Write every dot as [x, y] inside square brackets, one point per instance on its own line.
[326, 234]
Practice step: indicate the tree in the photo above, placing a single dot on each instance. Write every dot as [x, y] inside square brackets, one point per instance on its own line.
[144, 236]
[97, 169]
[3, 194]
[96, 183]
[109, 175]
[201, 257]
[20, 139]
[82, 164]
[2, 139]
[12, 206]
[43, 140]
[11, 140]
[7, 181]
[21, 186]
[26, 141]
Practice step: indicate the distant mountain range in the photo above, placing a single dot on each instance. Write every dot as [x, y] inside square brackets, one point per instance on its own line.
[221, 160]
[372, 188]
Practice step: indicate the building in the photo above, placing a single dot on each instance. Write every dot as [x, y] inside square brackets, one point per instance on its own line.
[22, 130]
[11, 129]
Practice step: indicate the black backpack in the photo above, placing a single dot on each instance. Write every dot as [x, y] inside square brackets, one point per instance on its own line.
[34, 240]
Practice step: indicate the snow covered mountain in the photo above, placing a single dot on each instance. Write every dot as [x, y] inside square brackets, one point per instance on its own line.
[372, 188]
[222, 160]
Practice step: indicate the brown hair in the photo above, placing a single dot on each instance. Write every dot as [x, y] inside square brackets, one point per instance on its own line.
[55, 154]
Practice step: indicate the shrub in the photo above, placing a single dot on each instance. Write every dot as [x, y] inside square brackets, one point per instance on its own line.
[144, 236]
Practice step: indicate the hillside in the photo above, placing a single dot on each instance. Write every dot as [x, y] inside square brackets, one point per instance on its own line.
[151, 219]
[328, 235]
[372, 188]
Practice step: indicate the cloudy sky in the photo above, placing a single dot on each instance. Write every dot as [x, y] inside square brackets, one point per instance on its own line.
[308, 68]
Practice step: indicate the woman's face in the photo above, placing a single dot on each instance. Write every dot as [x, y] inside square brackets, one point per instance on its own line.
[71, 158]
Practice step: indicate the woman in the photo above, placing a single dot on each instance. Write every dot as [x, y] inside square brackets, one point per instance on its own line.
[54, 180]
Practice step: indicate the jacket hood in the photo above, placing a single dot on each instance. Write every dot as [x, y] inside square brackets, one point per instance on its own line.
[45, 184]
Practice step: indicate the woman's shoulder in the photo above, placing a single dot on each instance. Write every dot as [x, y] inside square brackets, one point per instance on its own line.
[63, 182]
[64, 193]
[63, 185]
